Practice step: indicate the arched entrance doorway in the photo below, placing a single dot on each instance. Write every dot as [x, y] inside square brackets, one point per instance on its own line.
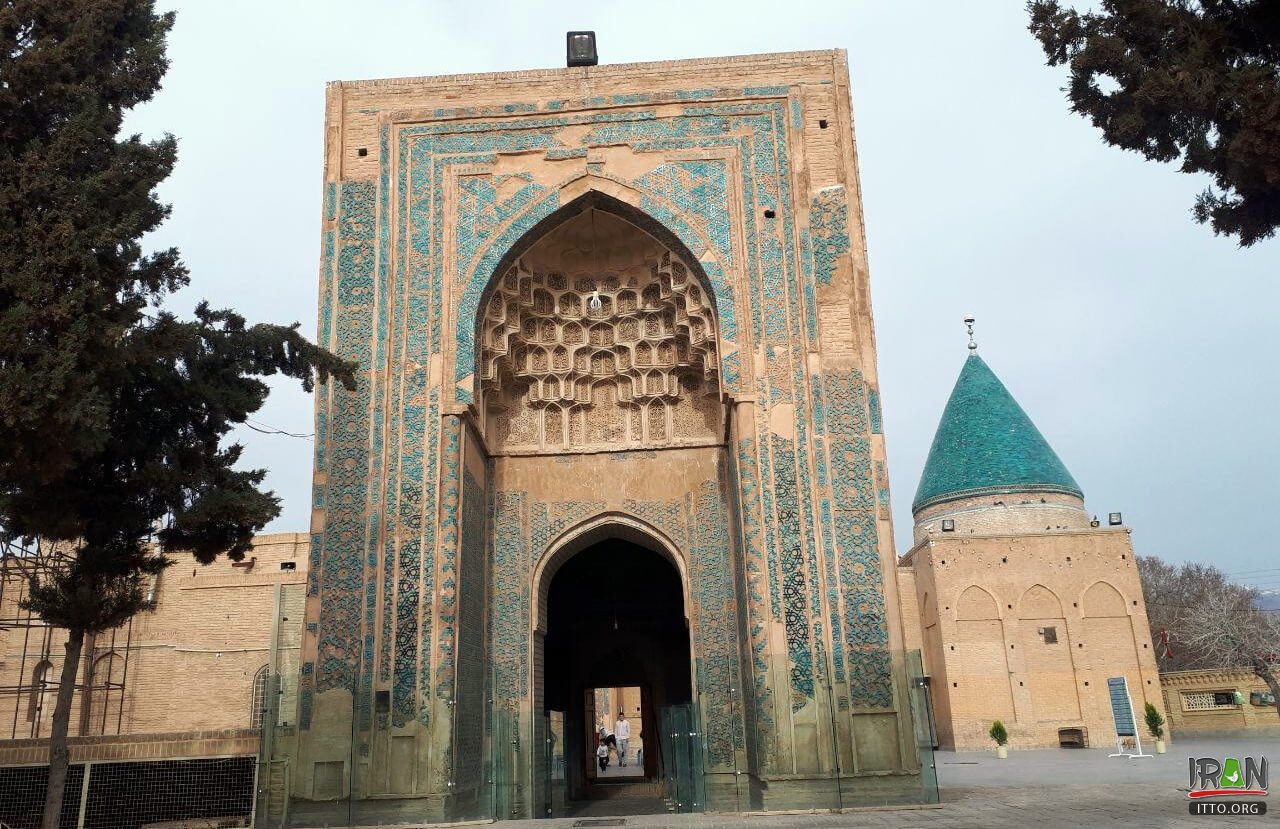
[601, 428]
[615, 618]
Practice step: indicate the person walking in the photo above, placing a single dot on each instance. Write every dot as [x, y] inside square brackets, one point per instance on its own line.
[622, 732]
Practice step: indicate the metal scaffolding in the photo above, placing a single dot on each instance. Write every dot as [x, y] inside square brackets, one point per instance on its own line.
[101, 690]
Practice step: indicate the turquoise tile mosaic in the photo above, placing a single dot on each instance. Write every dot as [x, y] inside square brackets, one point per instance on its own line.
[788, 531]
[986, 444]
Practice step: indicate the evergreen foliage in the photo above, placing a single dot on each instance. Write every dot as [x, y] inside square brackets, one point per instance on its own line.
[1190, 80]
[1155, 720]
[112, 411]
[998, 733]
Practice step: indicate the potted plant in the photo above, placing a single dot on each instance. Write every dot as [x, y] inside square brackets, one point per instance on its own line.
[1155, 724]
[1001, 736]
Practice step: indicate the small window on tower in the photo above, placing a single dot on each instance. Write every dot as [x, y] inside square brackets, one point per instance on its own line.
[1051, 636]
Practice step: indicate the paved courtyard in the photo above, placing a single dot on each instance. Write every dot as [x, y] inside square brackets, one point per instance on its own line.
[1047, 789]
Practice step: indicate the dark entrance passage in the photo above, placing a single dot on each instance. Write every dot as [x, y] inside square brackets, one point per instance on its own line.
[615, 619]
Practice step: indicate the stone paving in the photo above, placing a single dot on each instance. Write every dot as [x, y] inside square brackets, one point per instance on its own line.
[1046, 789]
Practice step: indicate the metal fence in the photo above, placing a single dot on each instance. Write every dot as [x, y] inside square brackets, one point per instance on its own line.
[134, 795]
[237, 791]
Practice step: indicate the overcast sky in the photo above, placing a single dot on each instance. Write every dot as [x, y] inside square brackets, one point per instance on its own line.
[1142, 346]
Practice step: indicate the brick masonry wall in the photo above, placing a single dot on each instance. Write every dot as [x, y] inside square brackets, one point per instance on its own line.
[983, 601]
[912, 630]
[191, 660]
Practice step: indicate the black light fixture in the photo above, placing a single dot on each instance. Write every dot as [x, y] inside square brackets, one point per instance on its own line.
[1113, 518]
[580, 49]
[948, 525]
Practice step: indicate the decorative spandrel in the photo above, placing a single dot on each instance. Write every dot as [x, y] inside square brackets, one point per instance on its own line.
[599, 336]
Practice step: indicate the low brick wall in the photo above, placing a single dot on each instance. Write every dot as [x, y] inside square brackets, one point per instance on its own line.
[232, 742]
[1187, 696]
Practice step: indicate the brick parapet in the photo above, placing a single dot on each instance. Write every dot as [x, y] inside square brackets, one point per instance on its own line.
[767, 61]
[231, 742]
[1198, 679]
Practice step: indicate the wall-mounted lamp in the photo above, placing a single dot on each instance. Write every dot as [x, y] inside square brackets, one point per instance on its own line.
[1114, 519]
[948, 525]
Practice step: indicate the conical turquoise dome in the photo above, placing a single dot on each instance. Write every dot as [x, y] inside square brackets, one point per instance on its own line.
[986, 444]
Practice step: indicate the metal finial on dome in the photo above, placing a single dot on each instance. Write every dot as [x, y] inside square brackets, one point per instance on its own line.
[973, 346]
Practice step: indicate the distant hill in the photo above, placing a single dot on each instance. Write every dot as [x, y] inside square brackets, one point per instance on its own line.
[1270, 600]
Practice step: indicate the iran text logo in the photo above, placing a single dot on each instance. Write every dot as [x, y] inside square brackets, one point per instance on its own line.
[1229, 777]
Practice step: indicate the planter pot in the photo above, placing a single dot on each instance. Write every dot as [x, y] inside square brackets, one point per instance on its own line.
[1002, 752]
[1160, 747]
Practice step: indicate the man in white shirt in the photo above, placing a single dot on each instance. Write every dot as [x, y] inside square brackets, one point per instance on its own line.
[622, 733]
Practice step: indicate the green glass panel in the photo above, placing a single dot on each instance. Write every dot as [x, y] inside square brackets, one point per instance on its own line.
[508, 801]
[921, 709]
[666, 745]
[551, 771]
[683, 758]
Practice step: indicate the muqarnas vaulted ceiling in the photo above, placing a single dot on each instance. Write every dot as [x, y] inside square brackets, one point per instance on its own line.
[638, 367]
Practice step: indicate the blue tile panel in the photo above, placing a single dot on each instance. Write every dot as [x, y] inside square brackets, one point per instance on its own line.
[862, 622]
[339, 560]
[791, 572]
[829, 229]
[757, 581]
[986, 444]
[714, 600]
[450, 519]
[388, 559]
[471, 665]
[511, 576]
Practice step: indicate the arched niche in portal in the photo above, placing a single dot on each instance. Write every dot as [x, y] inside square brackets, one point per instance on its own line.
[598, 332]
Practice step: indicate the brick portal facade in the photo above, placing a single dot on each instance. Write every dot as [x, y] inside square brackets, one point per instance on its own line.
[597, 304]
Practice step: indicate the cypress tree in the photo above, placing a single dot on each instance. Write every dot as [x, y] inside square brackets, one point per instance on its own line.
[1189, 81]
[112, 410]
